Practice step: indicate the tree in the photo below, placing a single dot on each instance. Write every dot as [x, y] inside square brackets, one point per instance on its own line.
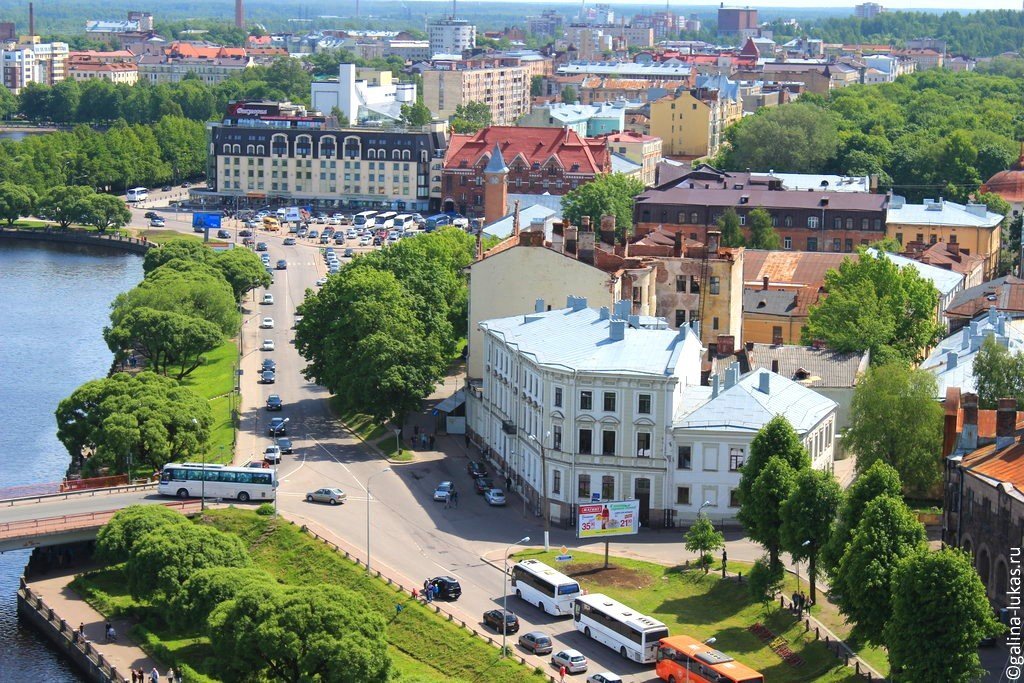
[878, 480]
[416, 114]
[15, 201]
[874, 305]
[117, 538]
[940, 612]
[145, 417]
[808, 516]
[34, 102]
[106, 211]
[179, 248]
[703, 538]
[862, 583]
[64, 98]
[313, 633]
[243, 270]
[798, 137]
[200, 292]
[168, 340]
[999, 373]
[569, 95]
[610, 194]
[536, 86]
[765, 580]
[470, 117]
[8, 104]
[65, 205]
[160, 562]
[761, 510]
[762, 234]
[729, 224]
[895, 418]
[207, 588]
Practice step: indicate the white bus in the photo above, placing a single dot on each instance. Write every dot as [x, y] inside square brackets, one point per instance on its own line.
[621, 628]
[365, 219]
[385, 220]
[404, 222]
[192, 480]
[138, 194]
[539, 584]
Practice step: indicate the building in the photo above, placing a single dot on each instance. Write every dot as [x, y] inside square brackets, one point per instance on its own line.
[950, 257]
[575, 402]
[594, 39]
[1009, 184]
[589, 120]
[362, 95]
[451, 36]
[540, 161]
[806, 221]
[277, 152]
[8, 32]
[115, 72]
[867, 10]
[209, 63]
[665, 25]
[952, 359]
[33, 62]
[657, 71]
[976, 229]
[692, 123]
[1005, 294]
[737, 22]
[549, 24]
[712, 439]
[111, 31]
[645, 150]
[923, 58]
[983, 482]
[502, 83]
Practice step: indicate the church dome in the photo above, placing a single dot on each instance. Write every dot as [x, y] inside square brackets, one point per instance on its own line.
[1008, 184]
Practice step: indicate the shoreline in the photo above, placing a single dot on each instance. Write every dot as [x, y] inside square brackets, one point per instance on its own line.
[130, 244]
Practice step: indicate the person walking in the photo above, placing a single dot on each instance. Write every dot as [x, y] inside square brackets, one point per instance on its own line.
[428, 591]
[177, 674]
[448, 499]
[431, 442]
[561, 675]
[135, 676]
[154, 676]
[423, 441]
[455, 499]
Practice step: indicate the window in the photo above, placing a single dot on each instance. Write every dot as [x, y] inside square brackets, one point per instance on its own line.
[734, 498]
[836, 244]
[586, 400]
[585, 441]
[694, 285]
[920, 237]
[864, 223]
[878, 224]
[714, 323]
[716, 283]
[849, 224]
[812, 244]
[643, 444]
[556, 437]
[788, 221]
[711, 459]
[680, 283]
[776, 333]
[812, 222]
[680, 317]
[558, 397]
[644, 404]
[556, 482]
[737, 456]
[608, 442]
[787, 242]
[683, 458]
[693, 217]
[609, 402]
[583, 487]
[607, 487]
[848, 245]
[682, 495]
[837, 223]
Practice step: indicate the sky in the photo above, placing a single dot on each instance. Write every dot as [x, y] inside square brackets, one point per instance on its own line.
[824, 4]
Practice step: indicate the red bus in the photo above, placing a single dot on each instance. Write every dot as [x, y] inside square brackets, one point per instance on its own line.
[682, 659]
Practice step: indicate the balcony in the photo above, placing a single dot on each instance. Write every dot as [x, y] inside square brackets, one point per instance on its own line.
[508, 427]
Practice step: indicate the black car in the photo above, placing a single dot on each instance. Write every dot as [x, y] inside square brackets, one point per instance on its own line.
[495, 617]
[223, 234]
[483, 484]
[245, 232]
[282, 264]
[151, 215]
[339, 238]
[165, 188]
[274, 402]
[476, 469]
[448, 587]
[377, 241]
[261, 246]
[278, 426]
[268, 364]
[349, 253]
[285, 444]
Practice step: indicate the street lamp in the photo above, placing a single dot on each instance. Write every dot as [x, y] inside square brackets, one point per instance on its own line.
[504, 595]
[703, 505]
[709, 641]
[202, 501]
[544, 488]
[797, 563]
[369, 479]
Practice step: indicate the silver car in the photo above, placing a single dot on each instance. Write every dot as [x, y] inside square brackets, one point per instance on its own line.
[331, 496]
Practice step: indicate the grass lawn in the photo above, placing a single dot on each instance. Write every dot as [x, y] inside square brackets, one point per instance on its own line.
[364, 426]
[161, 236]
[424, 647]
[688, 602]
[214, 380]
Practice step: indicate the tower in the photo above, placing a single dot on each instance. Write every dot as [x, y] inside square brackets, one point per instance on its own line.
[495, 187]
[239, 14]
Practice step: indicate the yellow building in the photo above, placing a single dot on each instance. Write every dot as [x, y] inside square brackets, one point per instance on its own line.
[693, 123]
[645, 150]
[972, 226]
[503, 84]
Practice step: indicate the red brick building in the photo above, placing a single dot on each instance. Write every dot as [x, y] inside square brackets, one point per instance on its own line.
[539, 161]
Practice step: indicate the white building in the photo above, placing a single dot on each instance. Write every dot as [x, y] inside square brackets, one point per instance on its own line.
[359, 101]
[451, 36]
[576, 402]
[711, 440]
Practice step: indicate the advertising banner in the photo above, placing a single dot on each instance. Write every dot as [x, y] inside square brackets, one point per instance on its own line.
[292, 214]
[611, 518]
[205, 220]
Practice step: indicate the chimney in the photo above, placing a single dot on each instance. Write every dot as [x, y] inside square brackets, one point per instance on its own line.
[571, 238]
[764, 382]
[604, 313]
[965, 342]
[953, 248]
[538, 306]
[730, 376]
[578, 303]
[585, 246]
[992, 316]
[240, 14]
[515, 219]
[1006, 422]
[713, 241]
[969, 431]
[749, 346]
[623, 307]
[608, 229]
[585, 224]
[951, 360]
[775, 365]
[714, 386]
[1001, 325]
[677, 246]
[617, 330]
[726, 344]
[31, 20]
[479, 245]
[764, 283]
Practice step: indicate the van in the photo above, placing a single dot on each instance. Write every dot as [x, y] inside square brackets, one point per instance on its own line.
[270, 223]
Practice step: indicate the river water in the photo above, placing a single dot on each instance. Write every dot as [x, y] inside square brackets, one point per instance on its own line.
[54, 301]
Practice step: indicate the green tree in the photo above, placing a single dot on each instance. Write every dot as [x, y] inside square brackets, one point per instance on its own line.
[100, 100]
[243, 270]
[798, 137]
[940, 612]
[182, 145]
[536, 86]
[874, 305]
[64, 98]
[765, 580]
[146, 417]
[160, 563]
[207, 588]
[106, 211]
[729, 224]
[65, 205]
[862, 583]
[569, 95]
[117, 538]
[178, 248]
[312, 633]
[808, 516]
[775, 483]
[15, 201]
[878, 480]
[895, 418]
[416, 114]
[201, 292]
[703, 538]
[167, 339]
[470, 117]
[762, 234]
[610, 194]
[34, 102]
[8, 104]
[999, 373]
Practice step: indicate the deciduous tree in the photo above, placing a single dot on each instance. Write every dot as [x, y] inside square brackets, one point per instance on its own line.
[179, 248]
[999, 374]
[799, 137]
[762, 233]
[170, 341]
[207, 588]
[610, 194]
[878, 480]
[729, 224]
[243, 270]
[703, 538]
[105, 211]
[808, 517]
[117, 538]
[416, 114]
[470, 117]
[65, 205]
[15, 201]
[201, 292]
[761, 508]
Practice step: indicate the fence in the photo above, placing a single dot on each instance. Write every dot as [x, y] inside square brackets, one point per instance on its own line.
[837, 647]
[83, 520]
[71, 236]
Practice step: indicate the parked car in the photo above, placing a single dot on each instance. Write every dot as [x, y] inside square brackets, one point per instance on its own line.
[285, 444]
[476, 469]
[325, 239]
[326, 495]
[339, 239]
[573, 661]
[501, 620]
[289, 241]
[272, 454]
[495, 497]
[349, 253]
[268, 299]
[537, 642]
[278, 426]
[443, 490]
[274, 402]
[268, 377]
[448, 587]
[268, 345]
[483, 484]
[321, 282]
[604, 677]
[156, 222]
[267, 323]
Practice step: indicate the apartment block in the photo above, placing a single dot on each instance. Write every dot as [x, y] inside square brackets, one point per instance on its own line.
[502, 83]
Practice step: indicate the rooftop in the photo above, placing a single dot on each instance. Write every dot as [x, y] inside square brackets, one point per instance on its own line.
[657, 69]
[952, 360]
[944, 280]
[1006, 294]
[812, 367]
[943, 212]
[502, 227]
[527, 146]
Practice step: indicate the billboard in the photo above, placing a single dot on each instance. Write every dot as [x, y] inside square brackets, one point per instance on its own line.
[204, 220]
[293, 214]
[611, 518]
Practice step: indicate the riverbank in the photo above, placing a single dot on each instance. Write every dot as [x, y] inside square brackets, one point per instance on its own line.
[77, 236]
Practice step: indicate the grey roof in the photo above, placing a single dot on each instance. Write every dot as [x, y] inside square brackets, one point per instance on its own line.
[552, 201]
[769, 301]
[502, 227]
[744, 407]
[621, 164]
[943, 212]
[580, 340]
[496, 164]
[821, 368]
[952, 361]
[944, 280]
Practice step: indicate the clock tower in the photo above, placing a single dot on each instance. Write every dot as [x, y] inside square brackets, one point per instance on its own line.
[495, 187]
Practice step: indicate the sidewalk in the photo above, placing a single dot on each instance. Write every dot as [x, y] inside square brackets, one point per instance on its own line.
[123, 654]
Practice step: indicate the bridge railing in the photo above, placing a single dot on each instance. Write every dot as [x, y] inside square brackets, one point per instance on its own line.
[82, 520]
[126, 488]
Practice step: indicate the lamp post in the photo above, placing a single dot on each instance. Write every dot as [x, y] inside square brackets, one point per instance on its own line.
[544, 489]
[386, 469]
[504, 595]
[202, 485]
[709, 641]
[797, 563]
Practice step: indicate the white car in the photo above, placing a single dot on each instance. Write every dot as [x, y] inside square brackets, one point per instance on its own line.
[573, 661]
[351, 234]
[268, 299]
[268, 345]
[333, 269]
[443, 490]
[267, 323]
[494, 497]
[365, 241]
[321, 282]
[604, 677]
[272, 454]
[333, 220]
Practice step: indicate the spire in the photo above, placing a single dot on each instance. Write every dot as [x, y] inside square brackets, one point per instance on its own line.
[496, 163]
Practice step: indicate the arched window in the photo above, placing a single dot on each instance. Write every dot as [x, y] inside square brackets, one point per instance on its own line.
[396, 155]
[849, 224]
[693, 217]
[250, 149]
[237, 149]
[279, 146]
[226, 149]
[371, 154]
[788, 221]
[304, 145]
[812, 222]
[382, 154]
[353, 148]
[260, 149]
[406, 155]
[328, 146]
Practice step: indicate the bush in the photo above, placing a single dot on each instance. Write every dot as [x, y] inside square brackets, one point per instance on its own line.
[265, 509]
[116, 539]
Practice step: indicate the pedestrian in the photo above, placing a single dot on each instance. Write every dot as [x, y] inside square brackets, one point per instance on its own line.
[177, 674]
[427, 593]
[561, 675]
[423, 441]
[508, 482]
[447, 500]
[135, 677]
[436, 590]
[154, 676]
[170, 675]
[81, 630]
[455, 499]
[431, 442]
[416, 430]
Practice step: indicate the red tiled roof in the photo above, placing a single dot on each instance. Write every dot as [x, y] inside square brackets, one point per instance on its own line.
[180, 49]
[533, 145]
[631, 136]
